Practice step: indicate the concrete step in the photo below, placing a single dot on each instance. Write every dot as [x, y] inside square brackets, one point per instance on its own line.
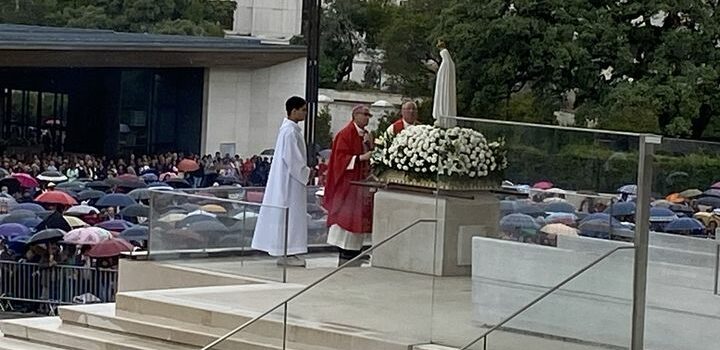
[17, 344]
[226, 307]
[106, 317]
[52, 331]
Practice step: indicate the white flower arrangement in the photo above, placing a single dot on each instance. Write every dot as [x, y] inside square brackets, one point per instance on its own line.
[426, 151]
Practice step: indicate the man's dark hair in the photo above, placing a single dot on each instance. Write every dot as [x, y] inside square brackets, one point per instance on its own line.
[294, 102]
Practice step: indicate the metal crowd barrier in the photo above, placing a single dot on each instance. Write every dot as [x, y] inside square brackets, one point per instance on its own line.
[23, 283]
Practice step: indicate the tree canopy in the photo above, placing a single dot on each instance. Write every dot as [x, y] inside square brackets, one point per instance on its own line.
[188, 17]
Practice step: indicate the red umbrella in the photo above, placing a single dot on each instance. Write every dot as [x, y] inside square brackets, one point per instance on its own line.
[26, 180]
[109, 248]
[188, 165]
[56, 197]
[543, 185]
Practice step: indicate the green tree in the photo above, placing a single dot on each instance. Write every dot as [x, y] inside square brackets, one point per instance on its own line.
[323, 135]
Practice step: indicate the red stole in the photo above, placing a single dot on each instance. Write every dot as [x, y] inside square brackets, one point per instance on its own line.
[398, 126]
[349, 206]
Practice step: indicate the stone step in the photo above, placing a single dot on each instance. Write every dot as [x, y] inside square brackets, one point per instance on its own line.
[106, 317]
[52, 331]
[17, 344]
[226, 307]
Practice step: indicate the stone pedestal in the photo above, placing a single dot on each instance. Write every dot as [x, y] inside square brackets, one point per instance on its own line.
[442, 249]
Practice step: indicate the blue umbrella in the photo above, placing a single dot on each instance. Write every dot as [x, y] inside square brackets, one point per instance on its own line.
[30, 222]
[90, 194]
[621, 209]
[149, 177]
[560, 207]
[660, 214]
[13, 230]
[18, 244]
[115, 225]
[600, 216]
[135, 233]
[600, 228]
[115, 200]
[686, 226]
[713, 192]
[517, 222]
[709, 201]
[529, 209]
[33, 207]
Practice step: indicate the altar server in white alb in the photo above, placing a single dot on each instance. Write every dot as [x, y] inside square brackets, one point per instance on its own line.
[286, 187]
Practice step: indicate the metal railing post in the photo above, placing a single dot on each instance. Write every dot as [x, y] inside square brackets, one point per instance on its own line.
[717, 268]
[642, 220]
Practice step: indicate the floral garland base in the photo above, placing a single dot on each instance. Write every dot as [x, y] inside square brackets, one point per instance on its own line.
[401, 178]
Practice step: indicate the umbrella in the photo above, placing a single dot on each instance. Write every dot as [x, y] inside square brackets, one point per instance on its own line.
[90, 194]
[172, 217]
[562, 218]
[26, 180]
[712, 192]
[206, 226]
[12, 183]
[75, 222]
[18, 218]
[621, 209]
[86, 235]
[129, 183]
[189, 207]
[690, 226]
[167, 176]
[691, 193]
[716, 185]
[600, 216]
[74, 186]
[139, 194]
[178, 183]
[508, 207]
[82, 210]
[4, 172]
[629, 189]
[23, 213]
[529, 208]
[268, 152]
[33, 207]
[681, 208]
[445, 97]
[560, 207]
[213, 208]
[115, 225]
[115, 200]
[18, 244]
[52, 176]
[559, 229]
[161, 186]
[135, 233]
[56, 197]
[515, 222]
[601, 229]
[543, 185]
[149, 177]
[709, 201]
[13, 230]
[227, 180]
[662, 203]
[98, 185]
[135, 210]
[110, 248]
[325, 154]
[47, 235]
[188, 165]
[660, 214]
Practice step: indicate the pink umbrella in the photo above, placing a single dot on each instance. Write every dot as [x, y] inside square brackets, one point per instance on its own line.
[26, 180]
[544, 185]
[86, 235]
[109, 248]
[716, 185]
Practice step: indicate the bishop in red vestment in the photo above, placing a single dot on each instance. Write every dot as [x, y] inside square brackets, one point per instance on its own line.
[408, 117]
[349, 206]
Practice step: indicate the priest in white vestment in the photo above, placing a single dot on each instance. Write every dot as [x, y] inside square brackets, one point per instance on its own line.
[286, 187]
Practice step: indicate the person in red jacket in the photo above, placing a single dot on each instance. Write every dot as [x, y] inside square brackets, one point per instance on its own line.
[408, 117]
[349, 206]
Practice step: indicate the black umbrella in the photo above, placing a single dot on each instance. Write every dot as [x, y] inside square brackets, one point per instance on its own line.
[54, 220]
[135, 233]
[709, 201]
[47, 235]
[208, 226]
[192, 219]
[90, 194]
[72, 186]
[712, 192]
[178, 183]
[135, 210]
[131, 184]
[98, 185]
[13, 184]
[227, 180]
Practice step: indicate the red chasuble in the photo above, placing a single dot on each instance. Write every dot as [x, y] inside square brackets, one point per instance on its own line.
[349, 206]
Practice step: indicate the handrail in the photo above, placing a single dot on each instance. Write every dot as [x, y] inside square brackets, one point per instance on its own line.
[315, 283]
[544, 295]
